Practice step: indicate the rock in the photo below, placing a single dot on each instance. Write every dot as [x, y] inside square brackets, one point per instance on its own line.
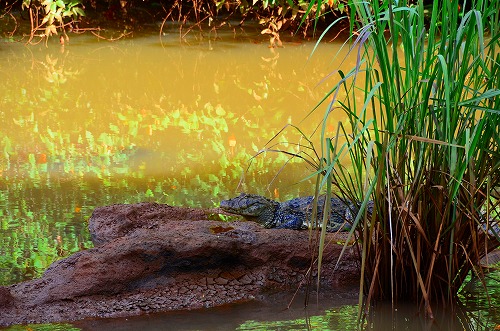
[6, 299]
[150, 257]
[111, 222]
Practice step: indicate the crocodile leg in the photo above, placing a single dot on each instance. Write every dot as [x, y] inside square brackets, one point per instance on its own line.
[292, 220]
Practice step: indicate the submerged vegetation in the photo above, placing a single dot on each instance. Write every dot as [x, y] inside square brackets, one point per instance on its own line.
[422, 142]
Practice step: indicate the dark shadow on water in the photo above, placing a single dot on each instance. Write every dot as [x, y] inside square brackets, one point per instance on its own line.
[407, 317]
[268, 312]
[331, 311]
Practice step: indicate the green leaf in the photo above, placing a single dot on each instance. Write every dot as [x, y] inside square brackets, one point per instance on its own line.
[114, 128]
[78, 11]
[219, 110]
[212, 178]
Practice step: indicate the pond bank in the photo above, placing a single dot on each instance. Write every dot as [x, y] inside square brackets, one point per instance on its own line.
[150, 257]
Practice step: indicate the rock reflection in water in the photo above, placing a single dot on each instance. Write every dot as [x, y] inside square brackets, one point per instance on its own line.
[331, 312]
[269, 312]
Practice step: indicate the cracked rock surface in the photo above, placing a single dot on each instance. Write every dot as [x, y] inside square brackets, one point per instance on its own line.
[150, 257]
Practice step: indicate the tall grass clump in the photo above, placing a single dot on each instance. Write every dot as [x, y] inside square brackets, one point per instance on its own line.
[422, 141]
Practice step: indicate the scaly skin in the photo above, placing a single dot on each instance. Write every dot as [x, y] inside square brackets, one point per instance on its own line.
[291, 214]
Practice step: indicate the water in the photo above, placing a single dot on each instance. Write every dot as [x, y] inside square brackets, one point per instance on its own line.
[271, 313]
[95, 123]
[335, 311]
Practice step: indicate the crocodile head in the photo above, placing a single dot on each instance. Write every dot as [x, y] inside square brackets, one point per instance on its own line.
[253, 207]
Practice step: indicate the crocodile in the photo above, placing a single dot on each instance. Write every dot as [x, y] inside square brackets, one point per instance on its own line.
[292, 214]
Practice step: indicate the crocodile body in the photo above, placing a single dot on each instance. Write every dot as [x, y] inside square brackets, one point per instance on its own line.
[291, 214]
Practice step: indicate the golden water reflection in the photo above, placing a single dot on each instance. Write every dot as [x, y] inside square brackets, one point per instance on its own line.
[97, 123]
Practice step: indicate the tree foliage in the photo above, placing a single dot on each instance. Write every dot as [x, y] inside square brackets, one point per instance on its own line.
[55, 17]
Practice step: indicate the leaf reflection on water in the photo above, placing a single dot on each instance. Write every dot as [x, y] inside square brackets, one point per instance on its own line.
[97, 125]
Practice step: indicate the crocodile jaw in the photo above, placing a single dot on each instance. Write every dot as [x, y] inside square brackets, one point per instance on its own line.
[252, 206]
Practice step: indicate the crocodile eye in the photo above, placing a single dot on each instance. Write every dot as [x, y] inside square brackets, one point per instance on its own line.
[255, 207]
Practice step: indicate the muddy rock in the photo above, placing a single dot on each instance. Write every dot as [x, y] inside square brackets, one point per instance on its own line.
[6, 299]
[150, 257]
